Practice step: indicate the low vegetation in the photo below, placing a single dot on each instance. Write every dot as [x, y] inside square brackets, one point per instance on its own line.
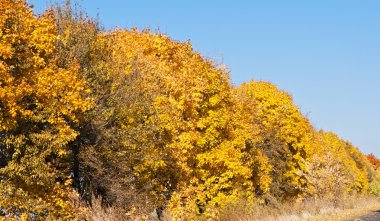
[125, 124]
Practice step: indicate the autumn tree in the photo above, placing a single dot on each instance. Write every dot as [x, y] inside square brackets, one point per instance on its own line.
[77, 39]
[145, 122]
[354, 162]
[326, 177]
[39, 103]
[284, 136]
[166, 128]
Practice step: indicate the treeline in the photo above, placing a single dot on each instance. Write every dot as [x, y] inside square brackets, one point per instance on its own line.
[146, 123]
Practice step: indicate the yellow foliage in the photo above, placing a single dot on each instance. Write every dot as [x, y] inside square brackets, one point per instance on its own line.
[279, 119]
[38, 103]
[155, 125]
[353, 162]
[200, 156]
[200, 143]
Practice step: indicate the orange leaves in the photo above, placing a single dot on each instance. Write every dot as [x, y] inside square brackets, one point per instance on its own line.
[374, 160]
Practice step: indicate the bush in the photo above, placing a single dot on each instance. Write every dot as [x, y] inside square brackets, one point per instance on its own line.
[374, 186]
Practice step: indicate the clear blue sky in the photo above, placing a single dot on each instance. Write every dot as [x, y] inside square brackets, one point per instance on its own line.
[326, 53]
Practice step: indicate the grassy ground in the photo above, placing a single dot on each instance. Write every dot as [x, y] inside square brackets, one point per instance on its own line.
[310, 210]
[350, 214]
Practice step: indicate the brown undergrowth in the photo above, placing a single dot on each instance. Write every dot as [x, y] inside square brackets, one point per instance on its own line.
[308, 209]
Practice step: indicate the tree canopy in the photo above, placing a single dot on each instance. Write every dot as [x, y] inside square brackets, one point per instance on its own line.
[145, 122]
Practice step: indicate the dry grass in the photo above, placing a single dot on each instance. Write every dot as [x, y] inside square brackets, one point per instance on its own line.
[307, 210]
[97, 212]
[313, 210]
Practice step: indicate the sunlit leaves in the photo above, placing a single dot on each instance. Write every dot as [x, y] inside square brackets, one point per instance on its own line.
[146, 122]
[38, 103]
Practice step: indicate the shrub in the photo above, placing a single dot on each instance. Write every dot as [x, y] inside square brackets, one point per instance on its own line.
[374, 186]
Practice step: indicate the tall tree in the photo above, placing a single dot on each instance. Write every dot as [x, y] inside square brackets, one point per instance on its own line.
[39, 103]
[285, 136]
